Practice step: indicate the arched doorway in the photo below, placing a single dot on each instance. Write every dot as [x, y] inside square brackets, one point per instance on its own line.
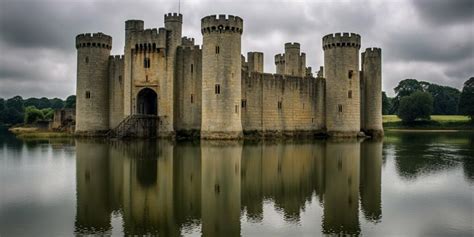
[147, 102]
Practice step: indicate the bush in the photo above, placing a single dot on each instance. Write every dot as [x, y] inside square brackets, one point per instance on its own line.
[32, 114]
[418, 105]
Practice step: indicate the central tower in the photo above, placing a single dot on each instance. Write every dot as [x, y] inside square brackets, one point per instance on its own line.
[341, 69]
[221, 77]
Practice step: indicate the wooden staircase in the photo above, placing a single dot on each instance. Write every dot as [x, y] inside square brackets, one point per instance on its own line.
[136, 125]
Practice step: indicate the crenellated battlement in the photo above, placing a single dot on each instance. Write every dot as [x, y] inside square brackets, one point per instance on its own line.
[185, 41]
[221, 24]
[292, 45]
[116, 57]
[96, 40]
[372, 52]
[147, 48]
[341, 40]
[174, 17]
[134, 25]
[280, 59]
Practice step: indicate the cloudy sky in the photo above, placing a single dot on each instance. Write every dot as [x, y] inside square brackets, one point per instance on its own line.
[431, 40]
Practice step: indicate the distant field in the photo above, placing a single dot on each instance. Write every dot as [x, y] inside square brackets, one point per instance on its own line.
[436, 122]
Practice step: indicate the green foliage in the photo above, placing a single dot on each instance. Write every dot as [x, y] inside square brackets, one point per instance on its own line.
[32, 115]
[56, 103]
[70, 102]
[445, 98]
[418, 105]
[386, 104]
[48, 113]
[466, 101]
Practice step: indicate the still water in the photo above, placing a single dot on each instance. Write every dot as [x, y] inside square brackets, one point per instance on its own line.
[409, 184]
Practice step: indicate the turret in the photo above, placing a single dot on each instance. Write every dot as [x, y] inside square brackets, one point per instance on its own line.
[131, 26]
[341, 70]
[255, 61]
[280, 63]
[372, 87]
[221, 77]
[92, 112]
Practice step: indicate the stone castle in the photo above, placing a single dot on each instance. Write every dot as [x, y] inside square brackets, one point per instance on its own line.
[214, 92]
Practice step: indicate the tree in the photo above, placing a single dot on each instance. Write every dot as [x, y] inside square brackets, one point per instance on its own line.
[15, 103]
[2, 111]
[70, 102]
[386, 104]
[466, 100]
[32, 114]
[418, 105]
[405, 88]
[48, 113]
[56, 103]
[445, 99]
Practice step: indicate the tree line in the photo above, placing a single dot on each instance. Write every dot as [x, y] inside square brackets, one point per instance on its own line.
[17, 110]
[419, 99]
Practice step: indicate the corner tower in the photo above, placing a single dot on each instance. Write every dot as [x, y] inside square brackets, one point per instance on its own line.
[372, 86]
[221, 77]
[93, 51]
[341, 68]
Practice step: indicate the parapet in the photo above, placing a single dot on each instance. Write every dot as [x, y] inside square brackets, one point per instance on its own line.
[344, 40]
[280, 58]
[116, 58]
[134, 25]
[221, 24]
[372, 52]
[174, 17]
[185, 41]
[96, 40]
[292, 45]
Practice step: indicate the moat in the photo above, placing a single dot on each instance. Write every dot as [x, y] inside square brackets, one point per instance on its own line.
[408, 184]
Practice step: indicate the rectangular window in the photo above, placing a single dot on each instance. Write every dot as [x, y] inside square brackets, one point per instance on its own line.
[218, 50]
[120, 79]
[87, 59]
[146, 78]
[244, 103]
[236, 109]
[88, 94]
[349, 94]
[350, 74]
[280, 105]
[146, 63]
[339, 107]
[217, 89]
[192, 98]
[192, 68]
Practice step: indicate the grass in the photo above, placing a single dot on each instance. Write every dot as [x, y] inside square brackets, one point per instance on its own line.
[32, 132]
[437, 122]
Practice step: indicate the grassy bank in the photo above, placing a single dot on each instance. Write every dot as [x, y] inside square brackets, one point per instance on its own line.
[437, 122]
[31, 132]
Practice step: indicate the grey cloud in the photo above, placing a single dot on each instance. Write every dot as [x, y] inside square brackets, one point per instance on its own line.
[446, 11]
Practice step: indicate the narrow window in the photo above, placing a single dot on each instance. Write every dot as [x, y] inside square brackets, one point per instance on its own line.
[244, 103]
[88, 94]
[217, 89]
[87, 60]
[146, 63]
[146, 78]
[192, 68]
[350, 74]
[217, 50]
[120, 79]
[236, 109]
[279, 104]
[192, 98]
[349, 94]
[339, 108]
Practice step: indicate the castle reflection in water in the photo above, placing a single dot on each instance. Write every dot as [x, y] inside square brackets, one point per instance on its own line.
[164, 188]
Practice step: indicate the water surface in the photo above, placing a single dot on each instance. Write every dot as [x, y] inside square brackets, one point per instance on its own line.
[409, 184]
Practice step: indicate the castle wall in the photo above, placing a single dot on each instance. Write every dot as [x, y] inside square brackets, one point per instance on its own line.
[131, 27]
[255, 62]
[276, 104]
[221, 77]
[92, 105]
[116, 87]
[372, 102]
[188, 89]
[341, 69]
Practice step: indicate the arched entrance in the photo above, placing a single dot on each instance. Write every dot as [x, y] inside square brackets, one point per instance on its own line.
[147, 102]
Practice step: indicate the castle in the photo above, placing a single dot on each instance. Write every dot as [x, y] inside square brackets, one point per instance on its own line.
[215, 92]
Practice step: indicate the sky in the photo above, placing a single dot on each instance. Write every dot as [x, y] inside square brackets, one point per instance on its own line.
[429, 40]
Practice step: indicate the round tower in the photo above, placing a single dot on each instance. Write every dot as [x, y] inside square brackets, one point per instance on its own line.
[372, 78]
[341, 69]
[221, 77]
[93, 51]
[292, 59]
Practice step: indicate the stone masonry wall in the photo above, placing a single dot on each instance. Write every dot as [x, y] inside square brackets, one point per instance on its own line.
[116, 75]
[372, 78]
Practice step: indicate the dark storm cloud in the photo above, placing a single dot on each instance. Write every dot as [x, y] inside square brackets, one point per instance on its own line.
[427, 40]
[446, 11]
